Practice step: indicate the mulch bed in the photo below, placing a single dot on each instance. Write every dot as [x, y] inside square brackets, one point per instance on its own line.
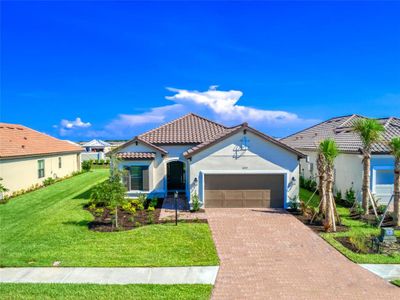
[385, 248]
[345, 241]
[316, 226]
[126, 221]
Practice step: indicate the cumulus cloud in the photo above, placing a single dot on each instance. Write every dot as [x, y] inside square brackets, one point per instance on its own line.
[218, 105]
[224, 105]
[67, 127]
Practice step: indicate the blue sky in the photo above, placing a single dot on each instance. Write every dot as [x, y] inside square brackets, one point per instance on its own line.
[80, 70]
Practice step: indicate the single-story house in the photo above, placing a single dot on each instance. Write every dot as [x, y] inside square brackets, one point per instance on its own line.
[27, 157]
[224, 166]
[95, 150]
[348, 165]
[96, 146]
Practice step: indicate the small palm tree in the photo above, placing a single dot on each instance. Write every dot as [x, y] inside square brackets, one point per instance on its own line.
[330, 151]
[369, 131]
[321, 167]
[395, 147]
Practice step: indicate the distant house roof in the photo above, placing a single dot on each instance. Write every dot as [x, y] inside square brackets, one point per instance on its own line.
[17, 140]
[96, 143]
[340, 129]
[197, 131]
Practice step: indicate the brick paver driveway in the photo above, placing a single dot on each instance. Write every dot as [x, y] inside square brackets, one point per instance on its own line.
[271, 255]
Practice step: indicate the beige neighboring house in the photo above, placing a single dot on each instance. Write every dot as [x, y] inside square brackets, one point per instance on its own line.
[235, 166]
[27, 157]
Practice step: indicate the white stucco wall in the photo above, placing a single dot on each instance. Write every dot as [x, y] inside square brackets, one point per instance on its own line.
[158, 166]
[22, 173]
[349, 172]
[261, 157]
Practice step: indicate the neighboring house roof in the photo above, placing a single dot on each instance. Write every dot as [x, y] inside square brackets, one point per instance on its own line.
[195, 130]
[340, 129]
[96, 143]
[17, 140]
[136, 155]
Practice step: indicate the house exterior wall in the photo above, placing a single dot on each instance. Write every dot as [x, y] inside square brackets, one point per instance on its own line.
[22, 173]
[349, 171]
[157, 167]
[261, 158]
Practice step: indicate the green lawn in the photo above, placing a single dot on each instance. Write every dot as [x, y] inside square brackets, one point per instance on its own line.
[98, 292]
[355, 228]
[396, 282]
[50, 225]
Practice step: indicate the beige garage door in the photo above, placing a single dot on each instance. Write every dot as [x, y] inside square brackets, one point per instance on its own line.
[243, 190]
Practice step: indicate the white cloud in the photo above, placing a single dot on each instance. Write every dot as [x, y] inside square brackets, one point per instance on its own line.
[223, 104]
[220, 106]
[68, 127]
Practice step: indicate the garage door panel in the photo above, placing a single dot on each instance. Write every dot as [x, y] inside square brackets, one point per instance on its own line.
[244, 190]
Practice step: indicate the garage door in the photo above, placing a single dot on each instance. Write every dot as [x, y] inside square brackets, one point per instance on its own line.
[243, 190]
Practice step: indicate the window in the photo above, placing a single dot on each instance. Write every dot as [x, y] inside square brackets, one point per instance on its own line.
[59, 163]
[139, 178]
[384, 177]
[41, 168]
[311, 168]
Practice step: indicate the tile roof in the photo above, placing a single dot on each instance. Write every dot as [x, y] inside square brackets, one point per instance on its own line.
[136, 155]
[189, 129]
[340, 129]
[17, 140]
[193, 130]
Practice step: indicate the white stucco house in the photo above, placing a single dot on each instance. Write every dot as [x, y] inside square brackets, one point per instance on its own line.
[225, 166]
[348, 165]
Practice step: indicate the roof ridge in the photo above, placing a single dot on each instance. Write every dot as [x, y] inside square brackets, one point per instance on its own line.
[348, 120]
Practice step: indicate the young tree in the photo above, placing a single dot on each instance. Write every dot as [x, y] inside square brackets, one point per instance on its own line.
[369, 131]
[395, 147]
[321, 167]
[330, 151]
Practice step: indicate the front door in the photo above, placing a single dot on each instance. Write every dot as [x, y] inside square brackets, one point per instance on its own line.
[176, 176]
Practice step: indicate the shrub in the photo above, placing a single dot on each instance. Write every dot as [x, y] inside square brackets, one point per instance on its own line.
[154, 202]
[360, 242]
[142, 199]
[150, 214]
[98, 212]
[381, 209]
[195, 202]
[129, 208]
[338, 195]
[293, 203]
[136, 203]
[86, 165]
[308, 183]
[48, 181]
[350, 196]
[101, 162]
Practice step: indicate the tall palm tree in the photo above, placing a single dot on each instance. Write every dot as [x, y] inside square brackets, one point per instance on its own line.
[330, 151]
[395, 146]
[369, 131]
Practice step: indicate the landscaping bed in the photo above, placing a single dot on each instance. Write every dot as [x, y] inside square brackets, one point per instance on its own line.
[355, 229]
[365, 245]
[316, 226]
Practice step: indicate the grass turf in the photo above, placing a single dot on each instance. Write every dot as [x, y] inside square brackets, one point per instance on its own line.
[396, 282]
[355, 227]
[51, 225]
[98, 292]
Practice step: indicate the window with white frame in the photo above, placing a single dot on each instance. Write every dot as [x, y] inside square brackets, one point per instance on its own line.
[41, 173]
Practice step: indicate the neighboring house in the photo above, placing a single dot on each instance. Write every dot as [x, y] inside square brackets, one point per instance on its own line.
[95, 150]
[348, 165]
[27, 157]
[225, 166]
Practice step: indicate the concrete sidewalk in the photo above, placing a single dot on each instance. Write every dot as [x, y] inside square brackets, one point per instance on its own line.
[165, 275]
[385, 271]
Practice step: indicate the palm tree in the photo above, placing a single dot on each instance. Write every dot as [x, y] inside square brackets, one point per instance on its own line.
[395, 147]
[369, 131]
[321, 182]
[330, 151]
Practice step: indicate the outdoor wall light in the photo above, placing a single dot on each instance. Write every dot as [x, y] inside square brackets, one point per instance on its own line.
[195, 180]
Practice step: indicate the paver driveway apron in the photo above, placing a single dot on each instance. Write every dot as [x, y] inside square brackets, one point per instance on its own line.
[269, 254]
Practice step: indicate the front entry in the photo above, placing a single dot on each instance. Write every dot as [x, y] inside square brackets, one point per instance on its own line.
[176, 176]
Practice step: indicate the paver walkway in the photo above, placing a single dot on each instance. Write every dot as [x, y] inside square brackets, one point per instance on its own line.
[269, 254]
[165, 275]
